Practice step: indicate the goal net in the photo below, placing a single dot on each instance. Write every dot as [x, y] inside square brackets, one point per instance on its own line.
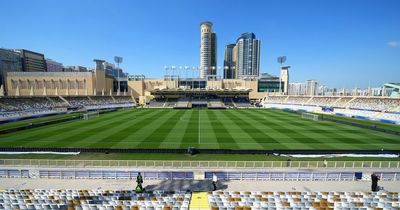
[309, 116]
[89, 115]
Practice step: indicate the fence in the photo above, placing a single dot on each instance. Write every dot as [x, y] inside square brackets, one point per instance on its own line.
[196, 164]
[298, 176]
[185, 175]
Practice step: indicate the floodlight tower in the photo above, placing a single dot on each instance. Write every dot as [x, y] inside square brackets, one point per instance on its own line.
[193, 72]
[173, 71]
[281, 60]
[166, 71]
[118, 60]
[186, 70]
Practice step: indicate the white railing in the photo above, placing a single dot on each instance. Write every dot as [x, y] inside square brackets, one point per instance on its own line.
[197, 164]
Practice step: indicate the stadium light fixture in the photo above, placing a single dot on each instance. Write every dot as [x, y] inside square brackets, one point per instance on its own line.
[118, 60]
[186, 71]
[193, 70]
[281, 60]
[166, 70]
[199, 68]
[173, 71]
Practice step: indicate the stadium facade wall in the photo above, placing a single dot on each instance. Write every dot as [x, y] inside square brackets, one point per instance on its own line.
[58, 83]
[96, 82]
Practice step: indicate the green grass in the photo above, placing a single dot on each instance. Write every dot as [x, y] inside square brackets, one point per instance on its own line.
[387, 126]
[187, 157]
[213, 129]
[34, 120]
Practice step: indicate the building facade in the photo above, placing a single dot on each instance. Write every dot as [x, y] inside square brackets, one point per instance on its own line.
[32, 61]
[208, 50]
[297, 89]
[248, 56]
[10, 61]
[54, 66]
[229, 62]
[312, 87]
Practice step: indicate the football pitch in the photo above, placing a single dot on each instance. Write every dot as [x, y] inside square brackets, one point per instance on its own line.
[201, 128]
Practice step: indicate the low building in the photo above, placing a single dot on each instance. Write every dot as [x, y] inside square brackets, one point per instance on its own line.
[54, 66]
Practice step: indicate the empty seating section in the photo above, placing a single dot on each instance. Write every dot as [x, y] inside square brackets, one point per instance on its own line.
[242, 102]
[322, 101]
[228, 102]
[182, 103]
[17, 107]
[171, 102]
[123, 99]
[297, 100]
[374, 103]
[93, 199]
[11, 107]
[79, 101]
[363, 107]
[342, 102]
[156, 103]
[26, 103]
[276, 99]
[216, 103]
[220, 200]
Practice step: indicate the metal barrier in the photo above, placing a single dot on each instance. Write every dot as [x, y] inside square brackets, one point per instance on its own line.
[297, 176]
[113, 174]
[196, 164]
[14, 173]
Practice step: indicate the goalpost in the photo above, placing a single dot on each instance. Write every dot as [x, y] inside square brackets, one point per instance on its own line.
[309, 116]
[89, 115]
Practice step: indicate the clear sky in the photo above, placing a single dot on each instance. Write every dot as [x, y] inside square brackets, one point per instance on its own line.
[341, 43]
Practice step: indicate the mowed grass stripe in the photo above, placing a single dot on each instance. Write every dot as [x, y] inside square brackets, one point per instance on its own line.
[128, 136]
[161, 130]
[326, 136]
[56, 128]
[258, 135]
[191, 137]
[319, 135]
[174, 138]
[242, 138]
[89, 128]
[223, 136]
[292, 139]
[208, 138]
[37, 137]
[107, 131]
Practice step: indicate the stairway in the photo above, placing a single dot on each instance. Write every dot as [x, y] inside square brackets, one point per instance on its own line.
[199, 201]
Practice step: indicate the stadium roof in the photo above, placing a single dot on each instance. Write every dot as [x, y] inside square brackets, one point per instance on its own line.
[392, 85]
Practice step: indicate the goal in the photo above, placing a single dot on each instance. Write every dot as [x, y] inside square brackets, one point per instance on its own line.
[309, 116]
[89, 115]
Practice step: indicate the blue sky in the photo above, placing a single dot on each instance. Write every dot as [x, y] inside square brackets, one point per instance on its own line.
[341, 43]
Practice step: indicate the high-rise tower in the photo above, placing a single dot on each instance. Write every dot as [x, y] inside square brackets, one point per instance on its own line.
[248, 56]
[208, 50]
[229, 61]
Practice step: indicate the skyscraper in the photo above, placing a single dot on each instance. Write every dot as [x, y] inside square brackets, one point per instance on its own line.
[311, 87]
[248, 56]
[208, 50]
[229, 61]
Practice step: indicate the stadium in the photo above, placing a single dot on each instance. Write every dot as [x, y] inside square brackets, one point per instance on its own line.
[78, 138]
